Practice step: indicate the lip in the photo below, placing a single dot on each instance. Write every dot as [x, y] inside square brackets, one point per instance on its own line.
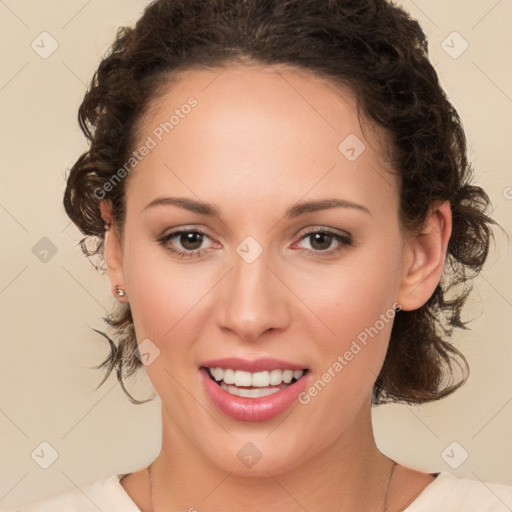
[255, 365]
[253, 409]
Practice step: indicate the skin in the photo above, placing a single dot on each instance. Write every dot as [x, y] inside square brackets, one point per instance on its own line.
[260, 140]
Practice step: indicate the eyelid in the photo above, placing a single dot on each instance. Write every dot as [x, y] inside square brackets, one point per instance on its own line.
[184, 229]
[325, 229]
[302, 231]
[344, 235]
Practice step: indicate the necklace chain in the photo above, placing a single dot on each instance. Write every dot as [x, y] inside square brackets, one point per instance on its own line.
[384, 500]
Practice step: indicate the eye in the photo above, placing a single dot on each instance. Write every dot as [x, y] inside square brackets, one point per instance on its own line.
[190, 240]
[322, 240]
[187, 243]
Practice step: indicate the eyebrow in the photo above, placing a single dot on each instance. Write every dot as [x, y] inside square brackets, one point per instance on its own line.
[294, 211]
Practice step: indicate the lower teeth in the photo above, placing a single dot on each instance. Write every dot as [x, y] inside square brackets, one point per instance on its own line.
[250, 393]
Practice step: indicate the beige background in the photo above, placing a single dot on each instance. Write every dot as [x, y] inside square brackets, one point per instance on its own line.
[47, 308]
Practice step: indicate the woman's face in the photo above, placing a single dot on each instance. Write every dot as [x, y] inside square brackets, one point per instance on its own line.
[312, 287]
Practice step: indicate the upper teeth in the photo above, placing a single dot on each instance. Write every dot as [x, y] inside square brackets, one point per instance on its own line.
[258, 379]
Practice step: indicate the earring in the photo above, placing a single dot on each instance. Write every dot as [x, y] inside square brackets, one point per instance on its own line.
[120, 292]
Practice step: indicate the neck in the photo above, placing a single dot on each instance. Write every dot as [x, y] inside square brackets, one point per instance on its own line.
[350, 474]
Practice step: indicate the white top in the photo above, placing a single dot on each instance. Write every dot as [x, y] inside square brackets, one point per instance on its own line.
[446, 493]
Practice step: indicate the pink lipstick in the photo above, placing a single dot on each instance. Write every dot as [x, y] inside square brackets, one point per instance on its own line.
[253, 390]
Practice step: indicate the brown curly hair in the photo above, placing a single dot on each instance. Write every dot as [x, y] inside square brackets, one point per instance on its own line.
[373, 47]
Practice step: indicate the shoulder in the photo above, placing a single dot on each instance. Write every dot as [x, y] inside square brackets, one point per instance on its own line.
[448, 493]
[104, 494]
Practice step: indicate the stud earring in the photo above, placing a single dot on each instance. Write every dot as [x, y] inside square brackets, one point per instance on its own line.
[120, 292]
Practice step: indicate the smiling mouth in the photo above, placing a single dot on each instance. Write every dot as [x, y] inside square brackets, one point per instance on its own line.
[253, 385]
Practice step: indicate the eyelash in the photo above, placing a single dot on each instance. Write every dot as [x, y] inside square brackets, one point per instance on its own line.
[344, 240]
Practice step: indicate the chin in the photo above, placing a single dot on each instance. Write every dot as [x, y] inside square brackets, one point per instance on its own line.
[257, 456]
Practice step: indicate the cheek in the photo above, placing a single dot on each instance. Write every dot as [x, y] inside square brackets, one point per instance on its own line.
[162, 292]
[165, 303]
[354, 295]
[351, 352]
[355, 304]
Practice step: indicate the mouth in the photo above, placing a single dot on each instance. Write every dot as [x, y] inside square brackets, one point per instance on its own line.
[257, 395]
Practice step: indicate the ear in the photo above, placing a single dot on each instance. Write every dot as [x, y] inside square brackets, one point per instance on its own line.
[113, 252]
[424, 260]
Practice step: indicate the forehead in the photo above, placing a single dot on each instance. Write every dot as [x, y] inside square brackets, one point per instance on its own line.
[259, 130]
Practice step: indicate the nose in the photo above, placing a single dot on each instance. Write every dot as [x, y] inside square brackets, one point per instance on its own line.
[253, 300]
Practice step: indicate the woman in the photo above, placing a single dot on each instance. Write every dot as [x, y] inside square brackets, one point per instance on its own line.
[281, 195]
